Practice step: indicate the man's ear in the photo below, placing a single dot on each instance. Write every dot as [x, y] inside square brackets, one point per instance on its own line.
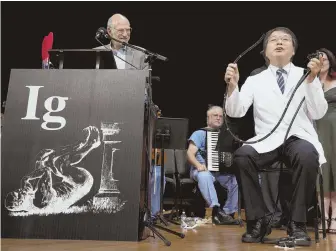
[109, 31]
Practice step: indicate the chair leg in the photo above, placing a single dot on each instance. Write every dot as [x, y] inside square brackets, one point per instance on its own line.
[174, 211]
[316, 230]
[239, 209]
[176, 199]
[324, 231]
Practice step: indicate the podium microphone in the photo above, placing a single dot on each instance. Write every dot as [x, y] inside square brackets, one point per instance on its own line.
[102, 32]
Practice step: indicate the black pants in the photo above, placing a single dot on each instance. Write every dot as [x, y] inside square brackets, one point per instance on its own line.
[270, 189]
[297, 154]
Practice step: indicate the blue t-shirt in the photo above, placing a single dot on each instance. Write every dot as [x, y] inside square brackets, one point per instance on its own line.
[198, 137]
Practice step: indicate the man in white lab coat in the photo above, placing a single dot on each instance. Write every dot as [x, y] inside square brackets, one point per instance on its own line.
[269, 92]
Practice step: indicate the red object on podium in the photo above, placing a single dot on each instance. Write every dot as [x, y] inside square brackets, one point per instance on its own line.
[47, 45]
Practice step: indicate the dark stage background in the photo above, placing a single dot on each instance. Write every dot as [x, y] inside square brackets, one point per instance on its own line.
[199, 39]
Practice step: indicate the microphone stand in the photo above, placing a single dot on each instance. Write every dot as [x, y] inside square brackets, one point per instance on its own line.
[115, 54]
[148, 222]
[151, 56]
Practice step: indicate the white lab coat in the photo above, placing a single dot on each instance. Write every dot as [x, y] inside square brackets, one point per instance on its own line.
[263, 92]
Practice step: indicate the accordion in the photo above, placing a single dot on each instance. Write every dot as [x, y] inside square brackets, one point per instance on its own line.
[216, 160]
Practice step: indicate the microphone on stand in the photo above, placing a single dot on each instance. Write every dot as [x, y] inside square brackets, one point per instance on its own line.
[102, 32]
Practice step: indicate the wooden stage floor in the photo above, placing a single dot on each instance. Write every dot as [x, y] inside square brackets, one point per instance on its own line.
[203, 238]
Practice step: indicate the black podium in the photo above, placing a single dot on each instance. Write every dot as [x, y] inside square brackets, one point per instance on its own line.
[82, 59]
[73, 155]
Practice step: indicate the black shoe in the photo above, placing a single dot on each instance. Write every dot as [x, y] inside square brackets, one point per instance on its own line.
[298, 231]
[256, 230]
[219, 217]
[276, 224]
[226, 219]
[216, 218]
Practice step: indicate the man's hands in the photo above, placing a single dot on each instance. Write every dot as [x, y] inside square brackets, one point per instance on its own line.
[201, 168]
[315, 66]
[232, 75]
[191, 154]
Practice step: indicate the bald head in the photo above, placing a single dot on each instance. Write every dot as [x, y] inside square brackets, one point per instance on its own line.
[119, 27]
[116, 19]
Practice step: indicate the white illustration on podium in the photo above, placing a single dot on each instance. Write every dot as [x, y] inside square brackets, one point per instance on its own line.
[58, 182]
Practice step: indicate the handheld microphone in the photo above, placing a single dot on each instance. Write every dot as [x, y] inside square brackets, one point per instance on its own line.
[317, 55]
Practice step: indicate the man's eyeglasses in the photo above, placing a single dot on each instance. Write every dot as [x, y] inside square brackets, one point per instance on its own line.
[282, 39]
[122, 31]
[217, 115]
